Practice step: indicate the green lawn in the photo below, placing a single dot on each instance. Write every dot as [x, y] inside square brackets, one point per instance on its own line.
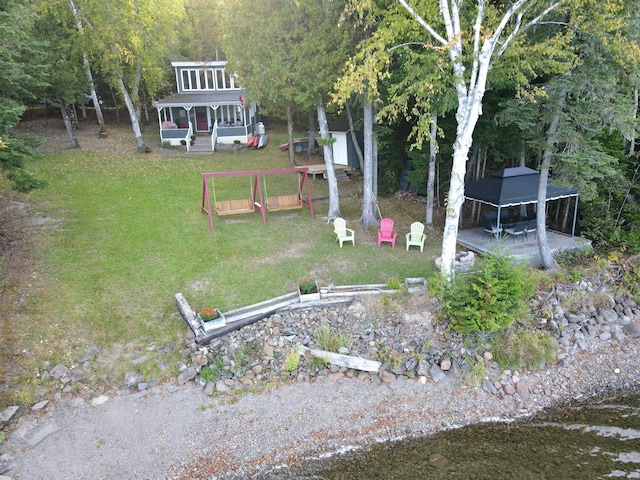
[127, 234]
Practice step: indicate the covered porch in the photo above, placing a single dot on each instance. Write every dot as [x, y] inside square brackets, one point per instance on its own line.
[224, 117]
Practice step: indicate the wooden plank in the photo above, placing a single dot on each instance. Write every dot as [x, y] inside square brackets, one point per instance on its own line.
[187, 313]
[236, 319]
[357, 363]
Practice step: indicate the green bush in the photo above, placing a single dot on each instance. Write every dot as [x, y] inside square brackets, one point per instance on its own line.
[522, 348]
[493, 295]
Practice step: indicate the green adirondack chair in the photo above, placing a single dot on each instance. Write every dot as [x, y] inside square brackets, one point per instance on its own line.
[416, 236]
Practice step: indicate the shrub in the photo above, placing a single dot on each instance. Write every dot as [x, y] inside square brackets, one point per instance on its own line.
[307, 285]
[523, 348]
[393, 283]
[292, 360]
[493, 295]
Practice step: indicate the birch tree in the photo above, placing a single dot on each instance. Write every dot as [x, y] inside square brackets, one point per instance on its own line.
[465, 42]
[132, 39]
[87, 68]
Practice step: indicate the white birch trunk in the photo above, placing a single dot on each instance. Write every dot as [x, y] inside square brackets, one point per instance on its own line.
[87, 68]
[334, 199]
[368, 218]
[292, 153]
[431, 176]
[67, 124]
[135, 124]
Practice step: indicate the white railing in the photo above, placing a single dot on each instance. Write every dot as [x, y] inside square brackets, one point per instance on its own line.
[188, 137]
[214, 136]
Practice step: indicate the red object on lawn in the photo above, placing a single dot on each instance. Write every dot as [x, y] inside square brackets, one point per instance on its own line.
[386, 233]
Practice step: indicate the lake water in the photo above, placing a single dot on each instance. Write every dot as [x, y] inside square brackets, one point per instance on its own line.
[594, 439]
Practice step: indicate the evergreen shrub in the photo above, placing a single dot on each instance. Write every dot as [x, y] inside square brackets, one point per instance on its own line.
[492, 295]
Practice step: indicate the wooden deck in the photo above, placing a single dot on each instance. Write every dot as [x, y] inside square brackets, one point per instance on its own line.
[523, 247]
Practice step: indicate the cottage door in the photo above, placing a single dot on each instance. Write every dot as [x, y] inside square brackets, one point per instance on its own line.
[202, 121]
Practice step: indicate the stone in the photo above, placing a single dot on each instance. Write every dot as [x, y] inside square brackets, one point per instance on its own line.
[438, 461]
[632, 329]
[523, 391]
[267, 349]
[489, 387]
[386, 376]
[132, 379]
[455, 371]
[199, 360]
[91, 352]
[59, 371]
[6, 464]
[40, 405]
[222, 387]
[8, 413]
[445, 364]
[142, 359]
[209, 388]
[436, 373]
[42, 434]
[189, 374]
[609, 315]
[509, 389]
[77, 376]
[423, 368]
[99, 400]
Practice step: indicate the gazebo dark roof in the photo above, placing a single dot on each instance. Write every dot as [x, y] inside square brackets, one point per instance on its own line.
[513, 186]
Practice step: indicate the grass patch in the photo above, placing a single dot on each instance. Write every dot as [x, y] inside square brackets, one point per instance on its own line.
[524, 348]
[128, 234]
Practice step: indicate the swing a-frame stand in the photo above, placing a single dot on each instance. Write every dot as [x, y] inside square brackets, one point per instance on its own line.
[258, 200]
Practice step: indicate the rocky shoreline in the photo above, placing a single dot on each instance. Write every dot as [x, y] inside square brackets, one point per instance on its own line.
[262, 414]
[402, 333]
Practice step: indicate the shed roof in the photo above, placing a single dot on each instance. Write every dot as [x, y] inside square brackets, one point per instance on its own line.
[513, 186]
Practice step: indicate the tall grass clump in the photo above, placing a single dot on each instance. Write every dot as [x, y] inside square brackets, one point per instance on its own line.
[523, 348]
[491, 296]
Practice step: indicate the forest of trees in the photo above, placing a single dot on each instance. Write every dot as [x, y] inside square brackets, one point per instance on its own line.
[457, 88]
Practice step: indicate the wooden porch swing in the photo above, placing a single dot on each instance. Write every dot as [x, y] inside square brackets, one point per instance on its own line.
[284, 202]
[236, 206]
[255, 200]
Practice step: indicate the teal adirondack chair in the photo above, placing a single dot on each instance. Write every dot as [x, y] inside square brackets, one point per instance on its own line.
[343, 234]
[416, 236]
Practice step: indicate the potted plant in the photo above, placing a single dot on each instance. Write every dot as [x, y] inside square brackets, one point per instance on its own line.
[308, 290]
[211, 318]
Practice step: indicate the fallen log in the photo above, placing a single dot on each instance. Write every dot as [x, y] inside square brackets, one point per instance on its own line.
[357, 363]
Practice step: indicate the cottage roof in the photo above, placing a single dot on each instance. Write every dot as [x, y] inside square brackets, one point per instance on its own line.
[203, 99]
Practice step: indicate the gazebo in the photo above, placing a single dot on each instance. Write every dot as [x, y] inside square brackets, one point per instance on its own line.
[512, 187]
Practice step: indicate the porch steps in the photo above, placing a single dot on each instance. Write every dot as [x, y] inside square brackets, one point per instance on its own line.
[201, 144]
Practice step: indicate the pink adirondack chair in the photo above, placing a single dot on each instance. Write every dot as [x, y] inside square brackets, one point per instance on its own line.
[386, 233]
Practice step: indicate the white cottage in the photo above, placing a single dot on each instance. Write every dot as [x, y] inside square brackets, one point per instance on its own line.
[209, 103]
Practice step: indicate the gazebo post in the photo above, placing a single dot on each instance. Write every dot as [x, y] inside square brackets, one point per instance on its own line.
[575, 215]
